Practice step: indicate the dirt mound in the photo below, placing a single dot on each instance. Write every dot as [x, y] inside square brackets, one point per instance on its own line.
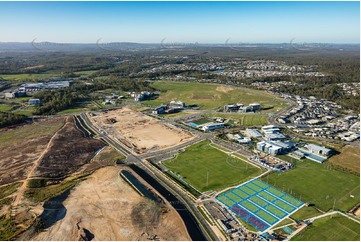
[105, 207]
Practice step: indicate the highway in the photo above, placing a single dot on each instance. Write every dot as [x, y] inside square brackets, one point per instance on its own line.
[132, 157]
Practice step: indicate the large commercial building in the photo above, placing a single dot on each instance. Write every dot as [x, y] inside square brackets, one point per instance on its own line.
[32, 87]
[269, 148]
[274, 148]
[233, 107]
[318, 150]
[241, 108]
[253, 133]
[211, 126]
[176, 105]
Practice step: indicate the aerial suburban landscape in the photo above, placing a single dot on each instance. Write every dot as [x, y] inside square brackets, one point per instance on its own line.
[221, 140]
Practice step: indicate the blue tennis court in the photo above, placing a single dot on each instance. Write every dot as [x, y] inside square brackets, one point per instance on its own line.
[259, 203]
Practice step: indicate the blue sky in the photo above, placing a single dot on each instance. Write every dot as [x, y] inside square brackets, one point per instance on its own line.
[183, 22]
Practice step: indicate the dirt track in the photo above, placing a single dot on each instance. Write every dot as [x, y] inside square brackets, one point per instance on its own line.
[20, 193]
[22, 145]
[67, 152]
[105, 207]
[138, 130]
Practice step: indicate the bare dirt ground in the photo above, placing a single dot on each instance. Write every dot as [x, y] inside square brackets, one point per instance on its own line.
[67, 152]
[357, 212]
[142, 132]
[224, 89]
[348, 159]
[105, 207]
[22, 145]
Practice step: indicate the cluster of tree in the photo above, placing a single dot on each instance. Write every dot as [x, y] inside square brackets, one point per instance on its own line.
[7, 119]
[19, 63]
[119, 83]
[54, 101]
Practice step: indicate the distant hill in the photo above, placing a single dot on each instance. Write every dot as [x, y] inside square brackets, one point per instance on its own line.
[114, 46]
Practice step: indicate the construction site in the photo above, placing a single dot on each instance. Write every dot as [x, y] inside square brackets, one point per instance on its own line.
[138, 131]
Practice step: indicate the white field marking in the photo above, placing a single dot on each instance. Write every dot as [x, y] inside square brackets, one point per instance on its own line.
[239, 205]
[288, 216]
[275, 216]
[279, 198]
[224, 150]
[272, 204]
[237, 186]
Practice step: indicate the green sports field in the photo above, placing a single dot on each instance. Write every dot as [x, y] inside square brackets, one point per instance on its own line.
[336, 228]
[318, 184]
[210, 96]
[305, 213]
[248, 119]
[201, 159]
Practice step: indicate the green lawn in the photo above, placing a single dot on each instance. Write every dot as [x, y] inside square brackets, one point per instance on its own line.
[28, 111]
[210, 96]
[244, 119]
[305, 213]
[6, 107]
[201, 159]
[202, 121]
[314, 183]
[336, 228]
[284, 222]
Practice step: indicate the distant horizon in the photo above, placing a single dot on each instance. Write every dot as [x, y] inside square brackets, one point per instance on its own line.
[182, 22]
[159, 43]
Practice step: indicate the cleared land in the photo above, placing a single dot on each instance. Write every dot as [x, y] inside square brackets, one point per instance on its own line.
[348, 159]
[139, 131]
[209, 96]
[105, 207]
[336, 228]
[21, 145]
[207, 168]
[319, 184]
[69, 151]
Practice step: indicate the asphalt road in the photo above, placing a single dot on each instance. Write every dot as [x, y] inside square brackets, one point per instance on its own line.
[135, 158]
